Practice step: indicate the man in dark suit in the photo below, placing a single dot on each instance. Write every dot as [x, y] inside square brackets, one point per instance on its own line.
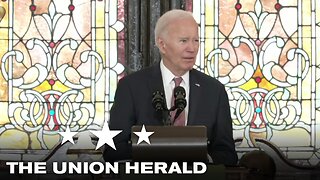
[176, 36]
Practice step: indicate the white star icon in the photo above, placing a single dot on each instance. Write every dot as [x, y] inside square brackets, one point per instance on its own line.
[67, 135]
[143, 135]
[106, 136]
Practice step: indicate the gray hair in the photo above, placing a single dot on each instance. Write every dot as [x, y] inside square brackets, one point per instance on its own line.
[167, 18]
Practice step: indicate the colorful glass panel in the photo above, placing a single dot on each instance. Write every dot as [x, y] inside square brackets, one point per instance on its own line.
[264, 52]
[59, 68]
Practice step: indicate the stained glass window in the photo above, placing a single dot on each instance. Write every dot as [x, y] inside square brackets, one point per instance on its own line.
[60, 63]
[264, 52]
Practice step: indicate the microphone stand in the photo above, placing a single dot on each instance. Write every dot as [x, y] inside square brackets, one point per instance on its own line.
[166, 117]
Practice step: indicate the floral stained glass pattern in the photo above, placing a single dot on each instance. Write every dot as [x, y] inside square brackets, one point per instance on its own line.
[264, 51]
[59, 67]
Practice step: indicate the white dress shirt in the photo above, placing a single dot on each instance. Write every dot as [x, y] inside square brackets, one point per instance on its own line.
[168, 84]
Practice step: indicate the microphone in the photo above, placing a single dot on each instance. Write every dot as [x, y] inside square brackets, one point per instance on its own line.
[158, 101]
[159, 104]
[180, 101]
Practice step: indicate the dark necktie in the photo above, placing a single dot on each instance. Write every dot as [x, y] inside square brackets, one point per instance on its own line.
[180, 121]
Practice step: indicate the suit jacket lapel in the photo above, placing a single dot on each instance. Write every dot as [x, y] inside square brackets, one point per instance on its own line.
[155, 80]
[193, 97]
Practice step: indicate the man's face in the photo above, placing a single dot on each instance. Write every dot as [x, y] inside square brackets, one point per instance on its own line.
[179, 46]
